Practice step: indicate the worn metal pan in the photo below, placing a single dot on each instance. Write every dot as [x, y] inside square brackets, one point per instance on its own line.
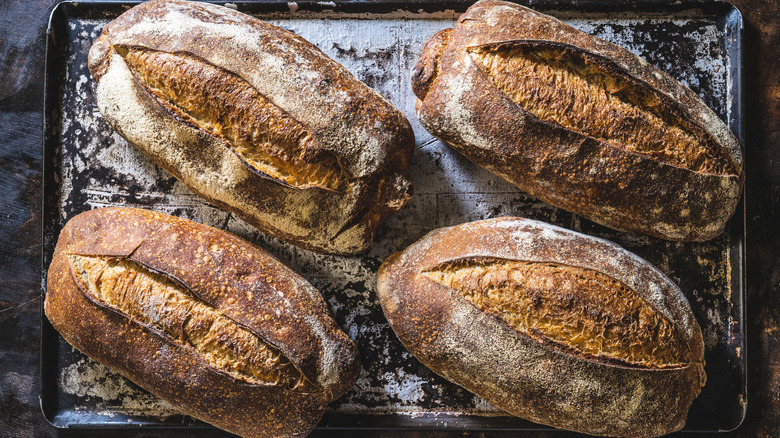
[87, 165]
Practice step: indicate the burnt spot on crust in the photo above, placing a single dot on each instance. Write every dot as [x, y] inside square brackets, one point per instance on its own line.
[221, 103]
[426, 70]
[581, 92]
[578, 310]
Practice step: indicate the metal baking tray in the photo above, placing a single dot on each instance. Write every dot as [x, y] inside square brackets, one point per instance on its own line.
[87, 165]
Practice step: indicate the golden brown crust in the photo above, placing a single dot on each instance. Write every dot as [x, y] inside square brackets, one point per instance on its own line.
[152, 300]
[584, 311]
[259, 132]
[236, 295]
[475, 342]
[562, 85]
[580, 123]
[315, 157]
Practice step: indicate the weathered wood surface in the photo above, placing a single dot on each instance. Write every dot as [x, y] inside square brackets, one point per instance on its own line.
[22, 39]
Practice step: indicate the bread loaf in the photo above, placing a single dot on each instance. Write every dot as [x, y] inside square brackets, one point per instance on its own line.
[548, 324]
[579, 123]
[256, 120]
[201, 318]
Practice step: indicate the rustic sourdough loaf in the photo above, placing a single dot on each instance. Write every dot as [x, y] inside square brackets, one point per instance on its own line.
[548, 324]
[579, 123]
[256, 120]
[201, 318]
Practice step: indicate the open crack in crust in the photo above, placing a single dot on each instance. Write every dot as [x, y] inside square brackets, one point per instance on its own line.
[590, 95]
[167, 307]
[224, 105]
[580, 311]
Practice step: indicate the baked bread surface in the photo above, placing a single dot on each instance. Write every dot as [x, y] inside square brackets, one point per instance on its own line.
[201, 318]
[548, 324]
[579, 123]
[256, 120]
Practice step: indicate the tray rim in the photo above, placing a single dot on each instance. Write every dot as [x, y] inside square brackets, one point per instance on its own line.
[408, 421]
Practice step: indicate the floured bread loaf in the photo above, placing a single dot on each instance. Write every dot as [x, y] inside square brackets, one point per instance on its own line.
[201, 318]
[579, 123]
[548, 324]
[256, 120]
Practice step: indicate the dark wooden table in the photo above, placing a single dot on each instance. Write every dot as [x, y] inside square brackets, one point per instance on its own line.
[22, 40]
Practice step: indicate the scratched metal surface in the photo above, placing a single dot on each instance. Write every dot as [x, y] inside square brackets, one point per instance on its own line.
[89, 166]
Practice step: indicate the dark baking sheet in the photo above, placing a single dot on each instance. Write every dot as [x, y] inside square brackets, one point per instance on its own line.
[88, 166]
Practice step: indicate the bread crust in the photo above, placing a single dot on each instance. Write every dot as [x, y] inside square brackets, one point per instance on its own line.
[235, 278]
[622, 189]
[347, 121]
[533, 378]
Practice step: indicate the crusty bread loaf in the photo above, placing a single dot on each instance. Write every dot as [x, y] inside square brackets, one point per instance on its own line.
[548, 324]
[201, 318]
[256, 120]
[579, 123]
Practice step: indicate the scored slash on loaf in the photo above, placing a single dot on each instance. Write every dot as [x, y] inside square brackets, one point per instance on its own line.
[256, 120]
